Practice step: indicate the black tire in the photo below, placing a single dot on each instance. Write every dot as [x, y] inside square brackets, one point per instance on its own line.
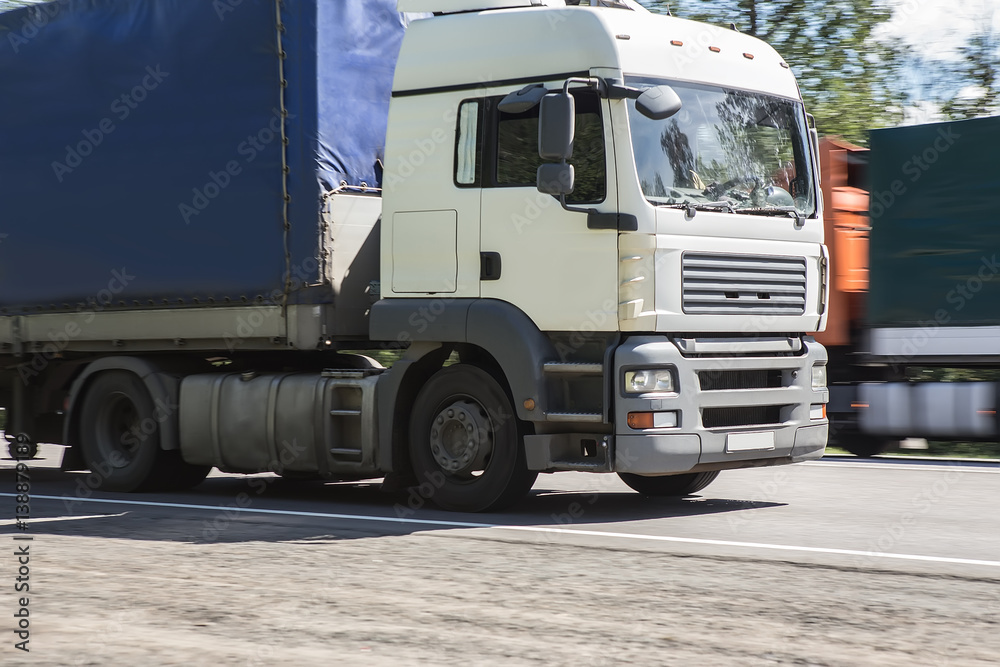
[674, 486]
[847, 436]
[120, 439]
[481, 468]
[865, 446]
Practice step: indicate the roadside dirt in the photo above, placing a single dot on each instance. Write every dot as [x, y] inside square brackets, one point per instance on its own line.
[140, 590]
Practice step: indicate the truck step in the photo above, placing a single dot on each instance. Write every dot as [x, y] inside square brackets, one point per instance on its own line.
[573, 368]
[339, 451]
[588, 417]
[345, 413]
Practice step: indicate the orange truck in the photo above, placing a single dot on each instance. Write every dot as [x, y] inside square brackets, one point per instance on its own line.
[911, 224]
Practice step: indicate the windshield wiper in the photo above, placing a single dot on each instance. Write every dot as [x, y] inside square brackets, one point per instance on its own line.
[690, 207]
[767, 210]
[790, 211]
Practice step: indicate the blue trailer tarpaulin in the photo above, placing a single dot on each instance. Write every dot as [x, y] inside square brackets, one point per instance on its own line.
[142, 138]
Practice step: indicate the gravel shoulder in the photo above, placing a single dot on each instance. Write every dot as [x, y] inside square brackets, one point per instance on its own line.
[280, 593]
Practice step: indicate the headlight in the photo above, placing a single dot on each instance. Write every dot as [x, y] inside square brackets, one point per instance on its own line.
[819, 377]
[646, 382]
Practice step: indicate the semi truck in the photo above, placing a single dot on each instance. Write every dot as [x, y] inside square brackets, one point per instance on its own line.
[914, 324]
[592, 236]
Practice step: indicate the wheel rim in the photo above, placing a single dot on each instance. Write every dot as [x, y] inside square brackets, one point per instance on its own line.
[462, 439]
[117, 420]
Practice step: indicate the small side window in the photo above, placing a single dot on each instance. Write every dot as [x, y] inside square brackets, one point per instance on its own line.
[468, 144]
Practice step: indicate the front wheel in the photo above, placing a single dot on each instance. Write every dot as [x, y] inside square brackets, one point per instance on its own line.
[466, 443]
[675, 486]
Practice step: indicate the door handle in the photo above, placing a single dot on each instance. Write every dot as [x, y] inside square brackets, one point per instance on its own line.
[489, 266]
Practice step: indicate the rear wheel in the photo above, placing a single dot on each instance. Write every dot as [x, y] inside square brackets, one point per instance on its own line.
[669, 485]
[120, 439]
[466, 443]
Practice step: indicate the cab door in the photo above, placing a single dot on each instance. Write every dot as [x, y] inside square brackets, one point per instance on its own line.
[535, 254]
[430, 223]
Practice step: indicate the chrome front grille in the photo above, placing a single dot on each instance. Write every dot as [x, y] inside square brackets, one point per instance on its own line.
[716, 284]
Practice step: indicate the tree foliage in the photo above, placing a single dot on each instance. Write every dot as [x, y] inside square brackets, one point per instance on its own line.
[848, 78]
[978, 71]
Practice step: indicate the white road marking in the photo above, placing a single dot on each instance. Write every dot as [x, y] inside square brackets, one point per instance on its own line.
[31, 522]
[530, 529]
[873, 465]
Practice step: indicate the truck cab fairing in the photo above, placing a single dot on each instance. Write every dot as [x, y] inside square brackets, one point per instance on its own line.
[613, 44]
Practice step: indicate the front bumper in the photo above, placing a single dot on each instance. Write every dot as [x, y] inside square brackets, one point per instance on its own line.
[709, 435]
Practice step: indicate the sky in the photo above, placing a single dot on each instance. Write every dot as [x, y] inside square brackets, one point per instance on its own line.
[938, 28]
[941, 25]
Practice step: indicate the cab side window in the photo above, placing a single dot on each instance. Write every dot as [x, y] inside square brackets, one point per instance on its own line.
[515, 159]
[469, 144]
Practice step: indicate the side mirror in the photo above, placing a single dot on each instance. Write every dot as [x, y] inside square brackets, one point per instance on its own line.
[556, 126]
[658, 103]
[522, 100]
[556, 179]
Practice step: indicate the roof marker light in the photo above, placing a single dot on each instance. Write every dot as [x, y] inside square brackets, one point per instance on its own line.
[677, 42]
[748, 56]
[714, 49]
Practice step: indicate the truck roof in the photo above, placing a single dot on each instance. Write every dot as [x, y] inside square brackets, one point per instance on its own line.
[476, 48]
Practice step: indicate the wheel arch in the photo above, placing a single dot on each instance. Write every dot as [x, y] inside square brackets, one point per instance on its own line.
[493, 334]
[162, 385]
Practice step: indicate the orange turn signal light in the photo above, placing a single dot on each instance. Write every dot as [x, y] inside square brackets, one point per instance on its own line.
[640, 420]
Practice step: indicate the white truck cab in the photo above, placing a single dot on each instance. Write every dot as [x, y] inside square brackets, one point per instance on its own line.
[669, 289]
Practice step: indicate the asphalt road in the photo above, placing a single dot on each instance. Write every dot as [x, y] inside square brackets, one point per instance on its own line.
[837, 562]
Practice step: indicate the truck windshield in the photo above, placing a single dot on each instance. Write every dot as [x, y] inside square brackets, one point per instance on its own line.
[725, 149]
